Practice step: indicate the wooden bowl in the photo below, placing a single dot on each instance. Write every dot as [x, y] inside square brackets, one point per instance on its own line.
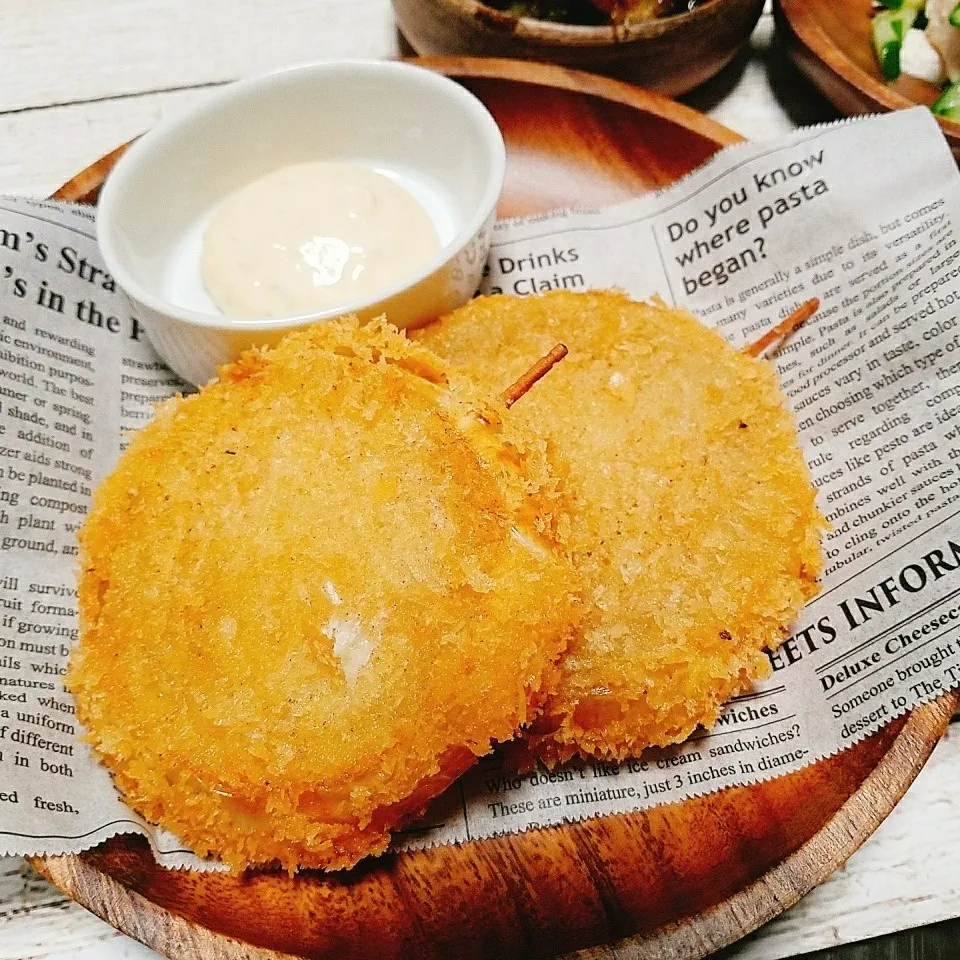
[830, 41]
[672, 883]
[670, 55]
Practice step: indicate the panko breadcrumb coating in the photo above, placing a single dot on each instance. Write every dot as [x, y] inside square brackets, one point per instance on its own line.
[698, 535]
[312, 595]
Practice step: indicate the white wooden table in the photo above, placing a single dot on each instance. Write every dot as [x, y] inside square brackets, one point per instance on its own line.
[79, 78]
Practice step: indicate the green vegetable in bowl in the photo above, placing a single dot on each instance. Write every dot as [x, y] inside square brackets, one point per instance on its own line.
[948, 103]
[921, 38]
[890, 28]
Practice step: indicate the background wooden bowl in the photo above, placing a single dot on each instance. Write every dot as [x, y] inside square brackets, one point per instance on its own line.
[829, 40]
[670, 55]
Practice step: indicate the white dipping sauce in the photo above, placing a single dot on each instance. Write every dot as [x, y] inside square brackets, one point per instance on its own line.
[312, 237]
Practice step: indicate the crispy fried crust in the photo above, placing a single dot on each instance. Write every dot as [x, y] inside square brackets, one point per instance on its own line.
[697, 535]
[312, 595]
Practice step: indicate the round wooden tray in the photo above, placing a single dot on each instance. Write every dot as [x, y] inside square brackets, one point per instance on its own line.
[676, 882]
[830, 41]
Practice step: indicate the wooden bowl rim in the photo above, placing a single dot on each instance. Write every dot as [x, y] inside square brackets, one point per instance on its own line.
[822, 46]
[581, 81]
[725, 923]
[549, 32]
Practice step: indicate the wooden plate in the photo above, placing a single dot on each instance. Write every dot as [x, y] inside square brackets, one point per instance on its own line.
[829, 40]
[675, 882]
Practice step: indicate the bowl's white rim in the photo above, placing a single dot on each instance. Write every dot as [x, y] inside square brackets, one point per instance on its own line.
[129, 164]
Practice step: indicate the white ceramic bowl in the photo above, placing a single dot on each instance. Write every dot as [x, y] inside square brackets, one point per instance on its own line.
[428, 132]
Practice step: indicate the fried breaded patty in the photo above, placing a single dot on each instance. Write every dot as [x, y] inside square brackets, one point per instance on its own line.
[696, 531]
[312, 594]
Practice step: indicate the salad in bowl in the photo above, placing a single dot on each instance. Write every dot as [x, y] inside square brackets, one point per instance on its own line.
[921, 38]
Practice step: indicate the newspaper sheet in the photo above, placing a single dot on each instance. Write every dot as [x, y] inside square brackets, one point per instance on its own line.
[874, 381]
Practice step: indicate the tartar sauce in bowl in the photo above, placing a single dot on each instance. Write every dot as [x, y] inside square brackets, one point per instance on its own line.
[311, 236]
[344, 187]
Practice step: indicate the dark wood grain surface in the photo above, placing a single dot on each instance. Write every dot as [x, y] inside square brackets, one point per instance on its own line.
[675, 882]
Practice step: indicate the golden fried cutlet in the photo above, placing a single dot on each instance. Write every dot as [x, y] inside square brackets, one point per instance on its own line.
[312, 594]
[696, 530]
